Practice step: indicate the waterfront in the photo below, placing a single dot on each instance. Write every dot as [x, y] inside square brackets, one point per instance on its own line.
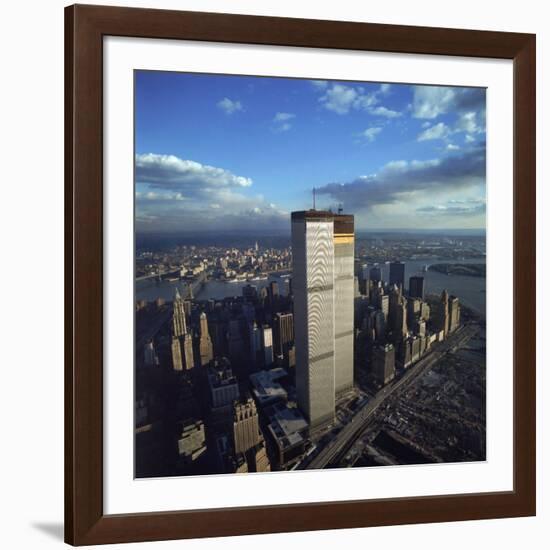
[471, 290]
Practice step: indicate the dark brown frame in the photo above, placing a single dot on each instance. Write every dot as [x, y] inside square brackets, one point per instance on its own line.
[85, 27]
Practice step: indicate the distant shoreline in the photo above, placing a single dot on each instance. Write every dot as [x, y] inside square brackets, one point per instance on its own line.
[468, 270]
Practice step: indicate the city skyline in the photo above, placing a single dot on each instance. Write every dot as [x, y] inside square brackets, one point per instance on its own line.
[227, 153]
[295, 308]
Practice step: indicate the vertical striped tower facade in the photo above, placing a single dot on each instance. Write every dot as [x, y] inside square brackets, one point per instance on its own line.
[344, 253]
[313, 287]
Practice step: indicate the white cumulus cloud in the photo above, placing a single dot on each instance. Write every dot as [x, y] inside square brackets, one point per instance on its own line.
[229, 106]
[370, 133]
[437, 131]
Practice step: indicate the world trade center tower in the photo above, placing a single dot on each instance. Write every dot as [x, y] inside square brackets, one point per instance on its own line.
[322, 279]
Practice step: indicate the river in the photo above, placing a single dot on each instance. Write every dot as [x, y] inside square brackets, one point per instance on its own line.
[470, 290]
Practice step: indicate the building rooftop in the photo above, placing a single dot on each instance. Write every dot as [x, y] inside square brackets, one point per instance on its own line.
[266, 389]
[287, 425]
[312, 215]
[221, 374]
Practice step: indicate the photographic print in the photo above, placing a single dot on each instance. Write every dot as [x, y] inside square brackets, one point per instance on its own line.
[310, 274]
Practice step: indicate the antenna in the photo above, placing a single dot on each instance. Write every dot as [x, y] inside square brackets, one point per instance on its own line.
[340, 208]
[314, 198]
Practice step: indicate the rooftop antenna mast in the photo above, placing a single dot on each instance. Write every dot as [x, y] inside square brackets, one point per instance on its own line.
[314, 198]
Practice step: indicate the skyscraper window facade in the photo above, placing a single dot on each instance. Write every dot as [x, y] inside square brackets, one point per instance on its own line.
[323, 255]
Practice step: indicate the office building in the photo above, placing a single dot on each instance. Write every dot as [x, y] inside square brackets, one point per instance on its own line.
[266, 388]
[440, 313]
[375, 274]
[191, 442]
[323, 276]
[255, 343]
[267, 345]
[150, 357]
[397, 274]
[235, 341]
[246, 426]
[383, 364]
[454, 313]
[182, 342]
[287, 429]
[283, 332]
[416, 287]
[206, 350]
[313, 287]
[224, 388]
[344, 254]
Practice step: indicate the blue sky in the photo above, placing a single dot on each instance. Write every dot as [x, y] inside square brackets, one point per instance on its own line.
[236, 153]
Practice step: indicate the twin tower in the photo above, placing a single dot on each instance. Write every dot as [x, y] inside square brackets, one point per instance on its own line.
[323, 287]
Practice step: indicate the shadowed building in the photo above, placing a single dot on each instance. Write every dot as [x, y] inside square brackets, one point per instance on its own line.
[205, 343]
[255, 343]
[397, 274]
[375, 274]
[440, 313]
[224, 388]
[383, 364]
[454, 313]
[416, 287]
[267, 345]
[283, 332]
[182, 342]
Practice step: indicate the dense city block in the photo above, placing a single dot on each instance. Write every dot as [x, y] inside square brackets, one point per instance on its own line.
[319, 350]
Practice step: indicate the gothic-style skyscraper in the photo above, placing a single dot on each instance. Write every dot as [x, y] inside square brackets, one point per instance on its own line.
[182, 343]
[206, 351]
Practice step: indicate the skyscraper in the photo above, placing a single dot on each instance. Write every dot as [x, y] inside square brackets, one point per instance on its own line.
[205, 343]
[397, 274]
[375, 274]
[255, 342]
[313, 286]
[283, 332]
[454, 313]
[323, 261]
[416, 287]
[182, 343]
[383, 364]
[267, 345]
[246, 426]
[344, 255]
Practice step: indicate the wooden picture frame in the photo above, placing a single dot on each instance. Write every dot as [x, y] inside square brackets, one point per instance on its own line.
[85, 27]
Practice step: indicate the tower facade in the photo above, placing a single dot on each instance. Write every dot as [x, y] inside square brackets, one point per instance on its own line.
[344, 254]
[283, 332]
[246, 426]
[267, 345]
[416, 287]
[397, 274]
[323, 253]
[206, 350]
[383, 364]
[182, 342]
[313, 287]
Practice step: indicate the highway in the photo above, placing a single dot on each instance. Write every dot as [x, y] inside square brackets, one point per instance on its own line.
[361, 419]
